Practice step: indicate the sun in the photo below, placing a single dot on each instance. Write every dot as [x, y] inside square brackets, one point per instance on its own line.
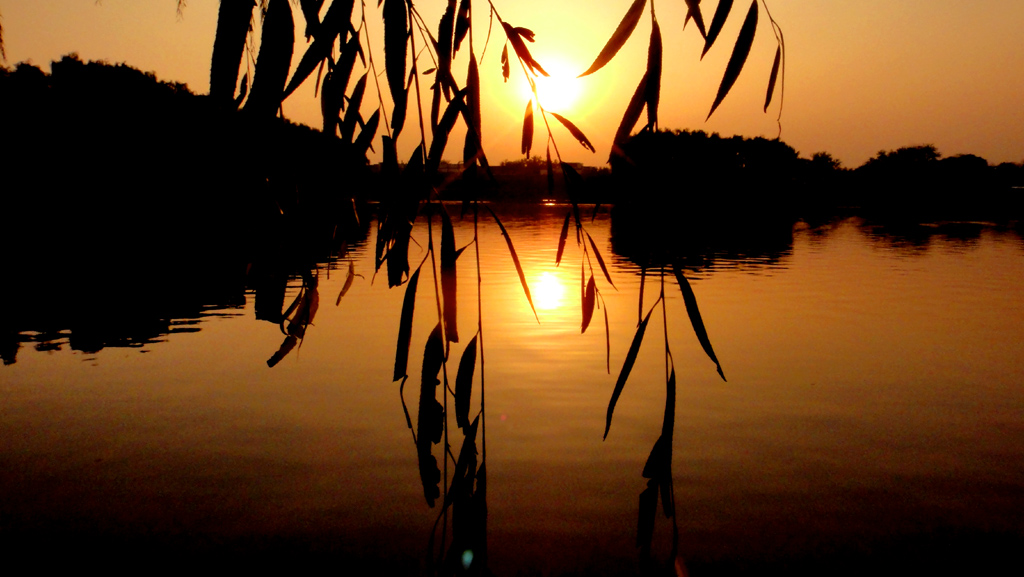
[559, 91]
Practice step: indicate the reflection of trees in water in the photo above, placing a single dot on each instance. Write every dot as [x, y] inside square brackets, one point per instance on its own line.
[724, 243]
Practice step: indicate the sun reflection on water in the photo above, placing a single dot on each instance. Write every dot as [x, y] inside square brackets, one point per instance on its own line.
[549, 292]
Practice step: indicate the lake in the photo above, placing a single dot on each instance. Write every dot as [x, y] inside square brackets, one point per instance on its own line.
[873, 417]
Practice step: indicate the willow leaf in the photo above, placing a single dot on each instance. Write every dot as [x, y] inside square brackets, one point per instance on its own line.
[504, 63]
[311, 13]
[461, 488]
[693, 11]
[365, 139]
[600, 261]
[444, 129]
[396, 32]
[348, 126]
[640, 300]
[652, 91]
[515, 261]
[629, 119]
[589, 300]
[330, 105]
[627, 366]
[739, 56]
[405, 328]
[562, 236]
[694, 313]
[576, 132]
[771, 79]
[445, 31]
[471, 149]
[319, 50]
[430, 419]
[528, 129]
[551, 190]
[464, 384]
[619, 37]
[449, 288]
[274, 60]
[717, 22]
[607, 341]
[336, 21]
[461, 25]
[346, 61]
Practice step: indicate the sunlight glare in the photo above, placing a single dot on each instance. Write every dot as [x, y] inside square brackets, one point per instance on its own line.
[548, 292]
[559, 91]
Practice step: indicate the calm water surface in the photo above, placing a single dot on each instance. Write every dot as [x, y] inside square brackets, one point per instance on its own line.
[874, 407]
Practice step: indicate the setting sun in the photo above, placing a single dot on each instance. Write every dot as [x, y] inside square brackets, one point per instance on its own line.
[558, 92]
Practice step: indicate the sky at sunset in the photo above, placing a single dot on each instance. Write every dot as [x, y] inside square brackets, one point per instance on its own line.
[860, 76]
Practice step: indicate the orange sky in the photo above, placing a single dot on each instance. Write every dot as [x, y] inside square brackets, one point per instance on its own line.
[861, 76]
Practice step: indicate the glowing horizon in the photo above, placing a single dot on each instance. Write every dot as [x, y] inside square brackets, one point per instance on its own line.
[859, 79]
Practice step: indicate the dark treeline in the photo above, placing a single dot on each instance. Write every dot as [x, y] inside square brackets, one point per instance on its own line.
[693, 196]
[156, 205]
[710, 174]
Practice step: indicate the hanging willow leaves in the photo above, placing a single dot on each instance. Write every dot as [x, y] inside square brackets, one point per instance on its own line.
[717, 22]
[627, 366]
[619, 37]
[576, 132]
[233, 21]
[771, 79]
[449, 288]
[563, 235]
[739, 56]
[444, 129]
[693, 11]
[472, 147]
[461, 488]
[274, 60]
[600, 261]
[396, 31]
[445, 30]
[348, 126]
[694, 313]
[630, 118]
[515, 261]
[515, 36]
[652, 91]
[464, 384]
[365, 139]
[330, 105]
[311, 13]
[430, 419]
[528, 129]
[589, 300]
[405, 328]
[334, 23]
[461, 25]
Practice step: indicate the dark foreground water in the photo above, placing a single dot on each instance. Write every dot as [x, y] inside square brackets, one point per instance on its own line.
[873, 417]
